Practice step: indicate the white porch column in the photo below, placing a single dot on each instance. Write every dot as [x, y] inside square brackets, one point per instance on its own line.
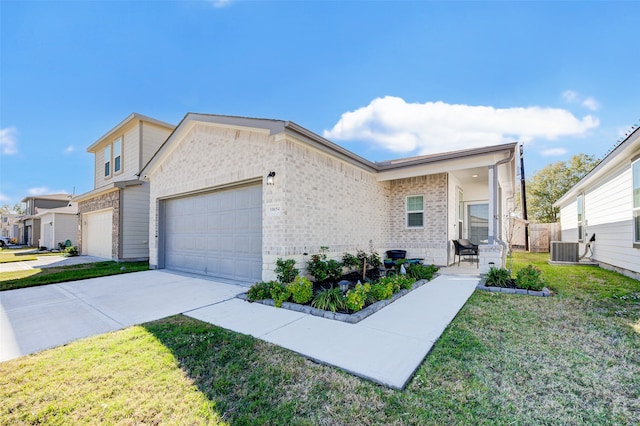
[493, 204]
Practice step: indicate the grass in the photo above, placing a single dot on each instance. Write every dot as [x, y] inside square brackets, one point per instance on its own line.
[37, 276]
[573, 358]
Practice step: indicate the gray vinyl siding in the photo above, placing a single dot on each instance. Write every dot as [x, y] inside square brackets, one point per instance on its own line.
[66, 228]
[135, 222]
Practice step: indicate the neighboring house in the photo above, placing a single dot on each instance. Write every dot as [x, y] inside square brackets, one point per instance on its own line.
[606, 202]
[29, 223]
[114, 216]
[58, 225]
[230, 195]
[9, 226]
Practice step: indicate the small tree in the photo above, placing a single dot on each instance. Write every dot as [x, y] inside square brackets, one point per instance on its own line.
[552, 182]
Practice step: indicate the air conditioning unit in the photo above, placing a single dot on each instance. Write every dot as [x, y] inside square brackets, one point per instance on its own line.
[564, 251]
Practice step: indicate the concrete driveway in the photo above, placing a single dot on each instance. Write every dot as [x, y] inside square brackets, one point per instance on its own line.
[37, 318]
[386, 347]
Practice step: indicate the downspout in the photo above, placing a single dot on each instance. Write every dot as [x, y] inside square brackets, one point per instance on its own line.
[498, 240]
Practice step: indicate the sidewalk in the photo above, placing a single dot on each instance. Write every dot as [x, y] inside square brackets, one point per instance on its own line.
[48, 262]
[386, 347]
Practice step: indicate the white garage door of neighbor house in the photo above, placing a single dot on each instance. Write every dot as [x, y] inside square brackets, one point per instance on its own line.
[217, 234]
[98, 234]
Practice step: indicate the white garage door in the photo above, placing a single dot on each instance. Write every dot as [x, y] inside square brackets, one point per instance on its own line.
[217, 234]
[97, 234]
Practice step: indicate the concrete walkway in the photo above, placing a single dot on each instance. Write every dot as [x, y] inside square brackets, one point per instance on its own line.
[48, 262]
[386, 347]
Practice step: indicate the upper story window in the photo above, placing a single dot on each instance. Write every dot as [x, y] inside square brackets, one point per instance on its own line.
[113, 158]
[107, 161]
[580, 205]
[117, 155]
[415, 211]
[635, 167]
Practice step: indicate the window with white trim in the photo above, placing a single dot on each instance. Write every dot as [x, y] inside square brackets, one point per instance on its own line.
[580, 205]
[635, 167]
[117, 155]
[415, 211]
[107, 161]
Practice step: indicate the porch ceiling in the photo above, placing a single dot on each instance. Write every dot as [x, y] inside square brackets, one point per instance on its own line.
[470, 176]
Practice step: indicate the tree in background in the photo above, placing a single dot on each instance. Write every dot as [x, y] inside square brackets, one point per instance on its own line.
[552, 182]
[18, 208]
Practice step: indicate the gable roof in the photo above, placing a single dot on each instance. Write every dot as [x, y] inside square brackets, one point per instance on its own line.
[494, 153]
[134, 116]
[620, 154]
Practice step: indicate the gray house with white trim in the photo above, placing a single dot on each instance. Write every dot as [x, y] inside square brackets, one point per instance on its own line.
[230, 195]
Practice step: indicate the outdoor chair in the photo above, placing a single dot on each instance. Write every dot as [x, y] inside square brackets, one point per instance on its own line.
[465, 247]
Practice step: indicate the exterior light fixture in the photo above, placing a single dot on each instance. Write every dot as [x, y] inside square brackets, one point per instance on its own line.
[474, 176]
[270, 177]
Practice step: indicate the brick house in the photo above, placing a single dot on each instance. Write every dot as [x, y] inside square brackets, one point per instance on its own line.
[114, 216]
[229, 195]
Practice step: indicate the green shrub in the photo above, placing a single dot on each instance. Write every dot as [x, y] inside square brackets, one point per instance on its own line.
[71, 251]
[260, 291]
[329, 300]
[498, 277]
[397, 282]
[357, 297]
[301, 290]
[422, 272]
[324, 270]
[530, 278]
[285, 270]
[350, 261]
[380, 291]
[279, 293]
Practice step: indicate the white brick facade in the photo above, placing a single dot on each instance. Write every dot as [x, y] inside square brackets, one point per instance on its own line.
[322, 195]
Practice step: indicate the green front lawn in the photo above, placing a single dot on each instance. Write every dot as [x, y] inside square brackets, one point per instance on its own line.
[37, 276]
[573, 358]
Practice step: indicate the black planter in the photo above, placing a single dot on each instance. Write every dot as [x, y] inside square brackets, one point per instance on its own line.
[396, 254]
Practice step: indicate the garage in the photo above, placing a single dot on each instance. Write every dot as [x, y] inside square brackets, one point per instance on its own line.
[218, 234]
[97, 234]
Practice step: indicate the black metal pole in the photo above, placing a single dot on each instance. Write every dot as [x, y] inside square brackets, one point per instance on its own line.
[524, 201]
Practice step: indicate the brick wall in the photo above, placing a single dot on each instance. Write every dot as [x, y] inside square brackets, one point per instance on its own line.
[429, 242]
[323, 201]
[101, 202]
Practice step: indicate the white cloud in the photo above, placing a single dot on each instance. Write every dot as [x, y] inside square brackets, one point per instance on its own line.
[3, 198]
[591, 103]
[41, 190]
[588, 102]
[220, 3]
[553, 152]
[570, 96]
[395, 125]
[8, 142]
[69, 149]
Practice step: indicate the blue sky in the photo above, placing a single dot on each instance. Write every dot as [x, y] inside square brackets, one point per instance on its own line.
[383, 79]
